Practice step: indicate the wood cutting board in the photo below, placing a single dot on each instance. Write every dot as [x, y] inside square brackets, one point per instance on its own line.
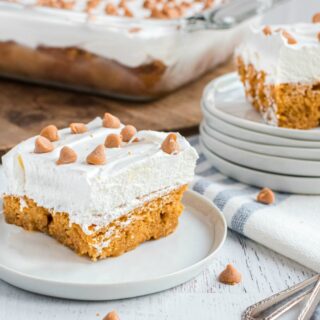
[26, 108]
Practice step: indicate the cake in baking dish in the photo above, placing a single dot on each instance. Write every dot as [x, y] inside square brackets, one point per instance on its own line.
[100, 189]
[280, 70]
[123, 48]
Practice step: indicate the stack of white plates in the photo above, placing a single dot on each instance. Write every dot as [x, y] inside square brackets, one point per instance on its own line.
[237, 141]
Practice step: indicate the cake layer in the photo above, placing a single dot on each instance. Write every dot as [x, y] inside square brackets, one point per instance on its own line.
[82, 70]
[152, 220]
[288, 105]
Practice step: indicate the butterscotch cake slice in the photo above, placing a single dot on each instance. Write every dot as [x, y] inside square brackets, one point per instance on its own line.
[280, 69]
[100, 189]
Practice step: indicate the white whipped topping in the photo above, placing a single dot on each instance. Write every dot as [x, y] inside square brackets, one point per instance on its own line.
[283, 62]
[134, 174]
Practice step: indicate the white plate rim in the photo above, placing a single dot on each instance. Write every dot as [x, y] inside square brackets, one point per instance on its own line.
[244, 123]
[199, 265]
[290, 167]
[254, 136]
[292, 181]
[290, 153]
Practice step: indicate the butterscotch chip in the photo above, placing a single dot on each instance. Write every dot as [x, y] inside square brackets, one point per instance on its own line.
[134, 30]
[127, 12]
[147, 4]
[111, 9]
[128, 133]
[67, 155]
[267, 31]
[266, 196]
[110, 121]
[77, 128]
[43, 145]
[289, 37]
[111, 316]
[208, 4]
[157, 14]
[61, 4]
[50, 132]
[113, 140]
[92, 4]
[97, 156]
[170, 144]
[230, 275]
[172, 13]
[122, 3]
[185, 5]
[316, 18]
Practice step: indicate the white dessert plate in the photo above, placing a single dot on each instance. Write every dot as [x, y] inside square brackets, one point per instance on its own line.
[278, 151]
[224, 97]
[37, 263]
[282, 183]
[253, 136]
[258, 161]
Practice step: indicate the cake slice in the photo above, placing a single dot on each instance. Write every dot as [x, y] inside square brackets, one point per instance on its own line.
[100, 189]
[280, 70]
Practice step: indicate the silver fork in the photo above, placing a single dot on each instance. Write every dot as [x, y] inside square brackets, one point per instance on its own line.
[281, 302]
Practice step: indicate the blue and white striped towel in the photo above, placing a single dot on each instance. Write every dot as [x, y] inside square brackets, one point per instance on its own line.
[291, 226]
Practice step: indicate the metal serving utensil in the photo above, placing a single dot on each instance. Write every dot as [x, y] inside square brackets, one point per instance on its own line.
[229, 15]
[311, 303]
[273, 307]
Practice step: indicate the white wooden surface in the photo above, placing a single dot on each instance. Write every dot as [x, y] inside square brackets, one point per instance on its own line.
[264, 273]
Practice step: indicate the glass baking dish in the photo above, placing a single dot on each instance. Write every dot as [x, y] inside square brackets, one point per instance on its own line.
[117, 56]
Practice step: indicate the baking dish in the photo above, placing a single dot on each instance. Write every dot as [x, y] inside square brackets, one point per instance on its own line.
[117, 56]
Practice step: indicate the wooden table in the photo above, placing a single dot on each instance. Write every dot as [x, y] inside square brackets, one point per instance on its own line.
[26, 108]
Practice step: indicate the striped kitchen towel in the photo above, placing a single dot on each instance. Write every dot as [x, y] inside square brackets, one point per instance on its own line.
[291, 226]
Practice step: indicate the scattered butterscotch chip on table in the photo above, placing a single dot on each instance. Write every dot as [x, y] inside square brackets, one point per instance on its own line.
[112, 316]
[266, 196]
[230, 275]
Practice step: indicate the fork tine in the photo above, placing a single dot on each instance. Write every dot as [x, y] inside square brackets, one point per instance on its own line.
[263, 305]
[311, 303]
